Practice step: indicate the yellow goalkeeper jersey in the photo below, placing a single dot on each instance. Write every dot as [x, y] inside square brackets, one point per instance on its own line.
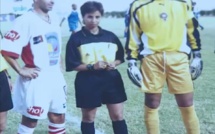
[161, 25]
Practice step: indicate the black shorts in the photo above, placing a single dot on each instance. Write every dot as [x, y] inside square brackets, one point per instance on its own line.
[5, 94]
[94, 88]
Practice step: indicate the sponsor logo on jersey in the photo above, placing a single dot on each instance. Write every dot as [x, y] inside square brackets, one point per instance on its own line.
[38, 39]
[12, 35]
[36, 111]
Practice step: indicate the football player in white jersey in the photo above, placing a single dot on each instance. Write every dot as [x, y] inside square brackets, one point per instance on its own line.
[40, 89]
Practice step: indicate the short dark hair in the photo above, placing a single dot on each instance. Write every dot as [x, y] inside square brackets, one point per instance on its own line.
[91, 6]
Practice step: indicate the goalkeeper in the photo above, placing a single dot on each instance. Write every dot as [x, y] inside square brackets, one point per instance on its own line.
[158, 35]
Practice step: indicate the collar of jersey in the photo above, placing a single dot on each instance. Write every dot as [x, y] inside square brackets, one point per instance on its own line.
[88, 33]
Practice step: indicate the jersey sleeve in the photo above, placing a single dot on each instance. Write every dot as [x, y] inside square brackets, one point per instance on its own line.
[120, 51]
[73, 57]
[192, 30]
[134, 33]
[16, 38]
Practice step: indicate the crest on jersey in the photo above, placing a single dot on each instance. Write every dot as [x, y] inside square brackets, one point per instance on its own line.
[164, 16]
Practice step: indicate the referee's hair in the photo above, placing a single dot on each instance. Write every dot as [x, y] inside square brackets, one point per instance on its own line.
[90, 7]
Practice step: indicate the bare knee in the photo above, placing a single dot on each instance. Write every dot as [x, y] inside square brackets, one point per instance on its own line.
[28, 122]
[2, 127]
[116, 116]
[56, 118]
[152, 100]
[88, 115]
[3, 121]
[115, 111]
[184, 100]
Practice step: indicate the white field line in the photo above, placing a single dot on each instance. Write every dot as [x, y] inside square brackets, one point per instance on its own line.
[77, 123]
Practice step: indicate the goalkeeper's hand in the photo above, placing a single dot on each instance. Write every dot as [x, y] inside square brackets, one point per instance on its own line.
[196, 65]
[134, 73]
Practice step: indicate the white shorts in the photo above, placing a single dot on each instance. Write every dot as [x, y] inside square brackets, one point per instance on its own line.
[35, 98]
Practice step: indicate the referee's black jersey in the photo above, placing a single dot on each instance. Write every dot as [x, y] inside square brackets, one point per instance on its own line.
[84, 47]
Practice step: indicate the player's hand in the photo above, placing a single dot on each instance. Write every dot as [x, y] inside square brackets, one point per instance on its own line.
[111, 66]
[30, 73]
[134, 73]
[196, 65]
[100, 65]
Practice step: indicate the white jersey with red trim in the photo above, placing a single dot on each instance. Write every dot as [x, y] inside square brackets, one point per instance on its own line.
[36, 40]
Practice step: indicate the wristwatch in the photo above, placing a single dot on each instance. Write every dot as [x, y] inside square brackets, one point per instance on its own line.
[90, 67]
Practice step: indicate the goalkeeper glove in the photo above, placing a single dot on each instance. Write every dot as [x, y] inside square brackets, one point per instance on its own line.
[196, 65]
[134, 73]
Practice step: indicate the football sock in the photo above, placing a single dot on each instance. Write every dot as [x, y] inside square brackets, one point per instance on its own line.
[57, 128]
[119, 127]
[87, 128]
[25, 130]
[151, 120]
[190, 120]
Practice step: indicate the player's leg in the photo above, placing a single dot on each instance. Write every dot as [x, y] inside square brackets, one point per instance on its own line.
[27, 125]
[87, 123]
[116, 115]
[114, 96]
[126, 32]
[3, 121]
[32, 101]
[56, 123]
[58, 105]
[180, 83]
[151, 117]
[189, 116]
[154, 73]
[88, 97]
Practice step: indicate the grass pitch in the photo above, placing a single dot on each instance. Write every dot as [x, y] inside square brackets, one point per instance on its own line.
[170, 119]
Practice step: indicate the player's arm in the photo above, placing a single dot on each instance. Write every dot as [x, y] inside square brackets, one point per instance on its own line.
[133, 40]
[119, 54]
[12, 45]
[73, 57]
[63, 19]
[196, 65]
[193, 34]
[192, 29]
[132, 46]
[26, 72]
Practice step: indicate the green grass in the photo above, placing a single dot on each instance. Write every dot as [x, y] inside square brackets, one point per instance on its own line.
[170, 119]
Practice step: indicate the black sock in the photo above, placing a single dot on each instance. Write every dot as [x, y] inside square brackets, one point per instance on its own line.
[87, 128]
[119, 127]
